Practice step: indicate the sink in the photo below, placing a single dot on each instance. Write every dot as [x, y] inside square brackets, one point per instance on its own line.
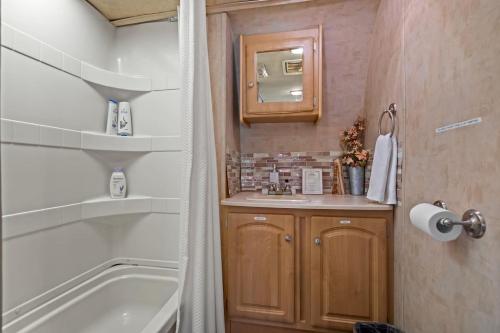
[297, 198]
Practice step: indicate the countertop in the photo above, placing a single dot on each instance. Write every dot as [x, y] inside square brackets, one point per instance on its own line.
[299, 201]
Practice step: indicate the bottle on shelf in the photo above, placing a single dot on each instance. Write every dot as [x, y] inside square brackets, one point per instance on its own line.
[118, 184]
[124, 119]
[112, 123]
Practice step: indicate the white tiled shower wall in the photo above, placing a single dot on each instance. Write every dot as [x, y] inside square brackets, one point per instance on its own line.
[36, 177]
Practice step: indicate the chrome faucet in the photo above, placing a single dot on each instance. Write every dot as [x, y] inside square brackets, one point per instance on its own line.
[279, 189]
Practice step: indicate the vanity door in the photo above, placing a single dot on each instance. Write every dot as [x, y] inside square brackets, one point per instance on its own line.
[348, 271]
[261, 266]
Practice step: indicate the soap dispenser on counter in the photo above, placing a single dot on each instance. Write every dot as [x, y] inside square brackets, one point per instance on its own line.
[274, 176]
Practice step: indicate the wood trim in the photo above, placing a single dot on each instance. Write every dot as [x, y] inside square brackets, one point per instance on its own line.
[243, 79]
[143, 18]
[250, 4]
[318, 56]
[220, 63]
[248, 326]
[220, 57]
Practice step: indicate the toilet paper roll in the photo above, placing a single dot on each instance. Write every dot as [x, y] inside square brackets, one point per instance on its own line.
[426, 216]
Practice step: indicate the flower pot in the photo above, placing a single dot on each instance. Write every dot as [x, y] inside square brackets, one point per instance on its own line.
[357, 180]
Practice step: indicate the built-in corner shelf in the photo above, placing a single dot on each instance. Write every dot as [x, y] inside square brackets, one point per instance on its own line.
[29, 46]
[26, 222]
[105, 206]
[20, 132]
[99, 141]
[135, 143]
[114, 80]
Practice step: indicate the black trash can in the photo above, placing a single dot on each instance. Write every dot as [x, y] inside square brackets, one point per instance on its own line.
[375, 328]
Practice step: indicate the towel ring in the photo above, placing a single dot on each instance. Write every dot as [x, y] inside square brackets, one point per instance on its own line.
[392, 113]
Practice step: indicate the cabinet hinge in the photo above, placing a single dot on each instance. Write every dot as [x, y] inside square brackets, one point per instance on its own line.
[315, 101]
[314, 46]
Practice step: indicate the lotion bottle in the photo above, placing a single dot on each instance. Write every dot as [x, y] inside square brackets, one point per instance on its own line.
[118, 184]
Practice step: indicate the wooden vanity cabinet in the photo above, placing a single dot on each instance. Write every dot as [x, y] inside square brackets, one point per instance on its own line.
[305, 270]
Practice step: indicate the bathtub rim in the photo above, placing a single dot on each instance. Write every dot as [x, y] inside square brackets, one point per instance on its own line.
[34, 303]
[169, 312]
[164, 318]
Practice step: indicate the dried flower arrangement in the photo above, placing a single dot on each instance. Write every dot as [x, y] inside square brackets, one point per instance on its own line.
[351, 141]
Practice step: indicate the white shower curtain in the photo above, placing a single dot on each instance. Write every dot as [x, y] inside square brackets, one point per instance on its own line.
[201, 308]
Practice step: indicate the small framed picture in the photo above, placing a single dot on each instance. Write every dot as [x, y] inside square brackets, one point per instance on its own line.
[312, 181]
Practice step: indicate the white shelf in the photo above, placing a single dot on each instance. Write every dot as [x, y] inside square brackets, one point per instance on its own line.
[106, 206]
[114, 80]
[20, 132]
[26, 222]
[34, 48]
[99, 141]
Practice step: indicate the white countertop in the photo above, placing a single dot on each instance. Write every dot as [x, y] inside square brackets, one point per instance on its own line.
[325, 201]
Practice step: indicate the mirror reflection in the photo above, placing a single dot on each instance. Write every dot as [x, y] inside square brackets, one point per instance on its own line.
[279, 76]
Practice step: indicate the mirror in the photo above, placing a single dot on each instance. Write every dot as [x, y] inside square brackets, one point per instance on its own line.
[280, 76]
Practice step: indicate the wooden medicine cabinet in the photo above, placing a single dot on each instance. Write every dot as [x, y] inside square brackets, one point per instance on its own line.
[281, 76]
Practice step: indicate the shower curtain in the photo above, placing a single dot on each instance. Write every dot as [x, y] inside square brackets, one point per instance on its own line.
[200, 270]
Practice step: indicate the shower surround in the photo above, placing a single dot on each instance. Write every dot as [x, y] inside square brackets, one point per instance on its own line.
[61, 227]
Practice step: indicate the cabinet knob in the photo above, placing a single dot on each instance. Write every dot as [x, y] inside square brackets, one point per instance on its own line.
[288, 238]
[317, 241]
[250, 84]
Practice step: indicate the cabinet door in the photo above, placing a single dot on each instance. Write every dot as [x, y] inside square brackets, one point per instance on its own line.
[261, 266]
[281, 76]
[348, 271]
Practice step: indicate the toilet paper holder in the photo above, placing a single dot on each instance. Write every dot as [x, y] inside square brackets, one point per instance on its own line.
[473, 222]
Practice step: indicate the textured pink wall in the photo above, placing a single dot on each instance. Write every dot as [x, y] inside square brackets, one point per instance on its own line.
[444, 64]
[385, 85]
[452, 70]
[347, 28]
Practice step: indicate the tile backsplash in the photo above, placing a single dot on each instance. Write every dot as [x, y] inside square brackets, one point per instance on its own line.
[233, 172]
[255, 168]
[250, 171]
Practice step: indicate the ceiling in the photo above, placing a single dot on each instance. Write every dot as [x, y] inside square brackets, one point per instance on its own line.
[126, 12]
[120, 11]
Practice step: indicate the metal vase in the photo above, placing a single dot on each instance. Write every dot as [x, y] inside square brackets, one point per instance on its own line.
[357, 180]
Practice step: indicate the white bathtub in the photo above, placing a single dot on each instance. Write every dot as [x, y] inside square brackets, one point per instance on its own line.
[122, 299]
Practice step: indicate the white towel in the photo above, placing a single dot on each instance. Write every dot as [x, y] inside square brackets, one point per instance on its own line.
[380, 168]
[390, 189]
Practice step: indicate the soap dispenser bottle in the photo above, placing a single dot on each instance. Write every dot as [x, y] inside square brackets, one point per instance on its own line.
[274, 176]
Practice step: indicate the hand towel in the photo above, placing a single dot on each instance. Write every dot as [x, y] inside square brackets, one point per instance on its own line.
[380, 168]
[390, 189]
